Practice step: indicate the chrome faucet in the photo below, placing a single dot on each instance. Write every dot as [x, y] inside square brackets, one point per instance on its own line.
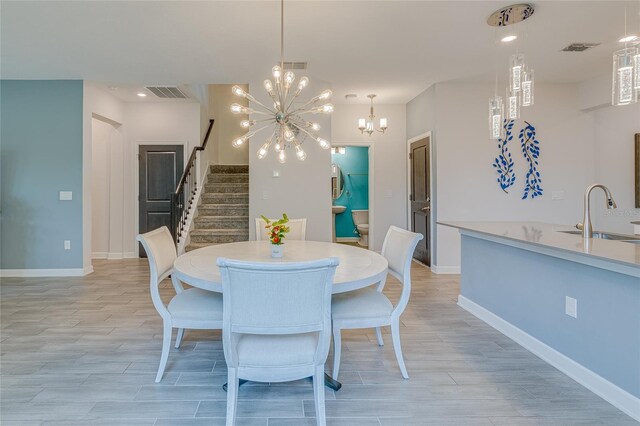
[586, 226]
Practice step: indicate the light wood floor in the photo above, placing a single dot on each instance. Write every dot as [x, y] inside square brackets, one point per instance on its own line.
[84, 351]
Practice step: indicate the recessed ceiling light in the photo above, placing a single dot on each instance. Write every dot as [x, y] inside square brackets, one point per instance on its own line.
[509, 38]
[627, 39]
[142, 94]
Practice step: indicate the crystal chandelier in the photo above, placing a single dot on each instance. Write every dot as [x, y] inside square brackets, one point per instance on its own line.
[368, 125]
[289, 128]
[626, 71]
[520, 91]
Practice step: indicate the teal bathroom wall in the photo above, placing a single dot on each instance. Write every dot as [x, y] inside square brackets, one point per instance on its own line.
[354, 164]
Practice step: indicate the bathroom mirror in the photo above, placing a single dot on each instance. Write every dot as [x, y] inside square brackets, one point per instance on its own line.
[337, 181]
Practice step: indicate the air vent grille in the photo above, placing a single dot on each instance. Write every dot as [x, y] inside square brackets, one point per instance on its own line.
[295, 65]
[167, 92]
[579, 47]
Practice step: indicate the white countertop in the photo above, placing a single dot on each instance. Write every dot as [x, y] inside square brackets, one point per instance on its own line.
[545, 236]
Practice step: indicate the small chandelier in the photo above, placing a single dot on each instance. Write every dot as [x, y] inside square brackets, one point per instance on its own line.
[289, 127]
[626, 70]
[367, 125]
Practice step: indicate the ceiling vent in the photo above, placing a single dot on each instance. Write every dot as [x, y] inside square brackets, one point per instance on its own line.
[295, 65]
[579, 47]
[167, 92]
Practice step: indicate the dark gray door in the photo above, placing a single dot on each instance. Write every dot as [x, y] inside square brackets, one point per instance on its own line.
[421, 198]
[160, 169]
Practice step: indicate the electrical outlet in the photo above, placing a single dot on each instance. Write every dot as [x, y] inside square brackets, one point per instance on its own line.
[571, 307]
[66, 195]
[67, 244]
[276, 173]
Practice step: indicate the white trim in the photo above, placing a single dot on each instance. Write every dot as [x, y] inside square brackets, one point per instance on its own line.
[608, 391]
[99, 255]
[130, 255]
[114, 256]
[432, 224]
[74, 272]
[444, 270]
[371, 146]
[347, 239]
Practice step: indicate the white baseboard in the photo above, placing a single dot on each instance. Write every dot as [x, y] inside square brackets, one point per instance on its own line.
[99, 255]
[608, 391]
[347, 239]
[114, 256]
[74, 272]
[130, 255]
[444, 270]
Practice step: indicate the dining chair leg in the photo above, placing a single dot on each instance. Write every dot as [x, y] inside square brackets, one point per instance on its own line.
[337, 352]
[318, 393]
[179, 337]
[232, 395]
[397, 347]
[379, 336]
[166, 344]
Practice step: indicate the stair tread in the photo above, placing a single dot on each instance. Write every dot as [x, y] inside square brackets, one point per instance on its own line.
[208, 231]
[218, 217]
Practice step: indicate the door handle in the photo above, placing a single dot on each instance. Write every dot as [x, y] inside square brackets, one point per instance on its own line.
[425, 209]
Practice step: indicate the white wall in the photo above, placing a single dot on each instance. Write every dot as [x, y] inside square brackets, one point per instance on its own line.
[153, 124]
[303, 188]
[101, 133]
[615, 127]
[101, 109]
[227, 126]
[388, 206]
[466, 181]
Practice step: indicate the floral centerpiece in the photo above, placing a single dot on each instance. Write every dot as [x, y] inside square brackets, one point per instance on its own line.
[277, 230]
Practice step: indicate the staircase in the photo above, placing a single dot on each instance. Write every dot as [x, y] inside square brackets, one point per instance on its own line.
[223, 213]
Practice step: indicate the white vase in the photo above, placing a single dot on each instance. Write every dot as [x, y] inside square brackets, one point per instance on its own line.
[276, 250]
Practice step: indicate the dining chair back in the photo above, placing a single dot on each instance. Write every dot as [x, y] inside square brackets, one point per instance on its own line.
[297, 229]
[398, 247]
[276, 324]
[193, 308]
[369, 307]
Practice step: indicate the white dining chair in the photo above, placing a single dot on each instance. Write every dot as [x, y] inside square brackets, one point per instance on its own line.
[369, 307]
[193, 308]
[276, 324]
[297, 229]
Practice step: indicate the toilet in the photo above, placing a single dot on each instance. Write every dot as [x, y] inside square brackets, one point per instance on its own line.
[361, 220]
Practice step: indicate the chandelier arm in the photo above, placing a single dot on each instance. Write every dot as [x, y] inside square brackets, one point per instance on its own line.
[264, 106]
[310, 102]
[254, 132]
[305, 131]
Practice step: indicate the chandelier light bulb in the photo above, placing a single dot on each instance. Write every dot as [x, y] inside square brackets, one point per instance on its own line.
[282, 157]
[237, 90]
[277, 147]
[325, 95]
[300, 153]
[245, 124]
[238, 142]
[315, 127]
[276, 71]
[325, 109]
[268, 86]
[629, 38]
[324, 144]
[264, 150]
[239, 109]
[304, 82]
[289, 77]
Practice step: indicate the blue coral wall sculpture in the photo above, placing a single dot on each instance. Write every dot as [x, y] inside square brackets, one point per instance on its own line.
[503, 162]
[531, 151]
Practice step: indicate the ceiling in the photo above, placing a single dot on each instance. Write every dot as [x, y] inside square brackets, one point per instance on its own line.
[393, 48]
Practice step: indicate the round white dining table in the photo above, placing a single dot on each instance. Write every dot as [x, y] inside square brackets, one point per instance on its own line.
[358, 267]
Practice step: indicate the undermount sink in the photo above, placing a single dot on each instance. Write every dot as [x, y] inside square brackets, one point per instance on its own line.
[608, 236]
[338, 209]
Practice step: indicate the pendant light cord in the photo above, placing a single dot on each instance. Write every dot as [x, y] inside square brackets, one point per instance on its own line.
[282, 34]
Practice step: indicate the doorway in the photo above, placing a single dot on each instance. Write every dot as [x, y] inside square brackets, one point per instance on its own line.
[352, 195]
[160, 168]
[420, 195]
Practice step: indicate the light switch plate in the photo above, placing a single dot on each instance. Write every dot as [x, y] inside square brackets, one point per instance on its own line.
[67, 244]
[276, 173]
[66, 195]
[571, 307]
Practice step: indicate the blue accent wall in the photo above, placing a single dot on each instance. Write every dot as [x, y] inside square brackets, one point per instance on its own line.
[41, 154]
[354, 164]
[528, 290]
